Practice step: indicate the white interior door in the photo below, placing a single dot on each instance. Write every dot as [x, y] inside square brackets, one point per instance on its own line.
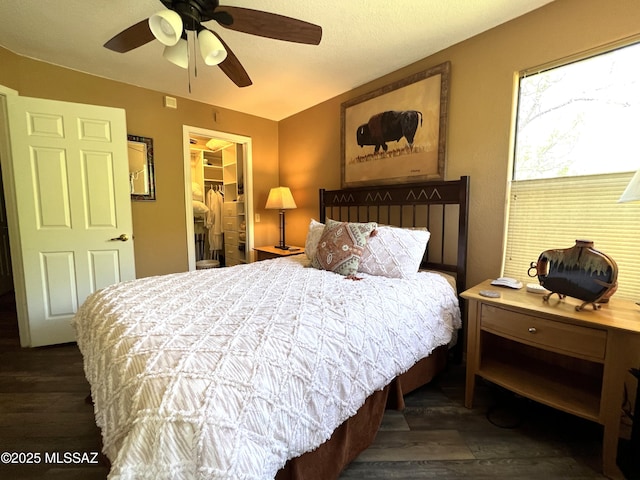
[69, 210]
[6, 275]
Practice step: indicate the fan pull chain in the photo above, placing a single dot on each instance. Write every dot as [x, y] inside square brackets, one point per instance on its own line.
[195, 46]
[189, 57]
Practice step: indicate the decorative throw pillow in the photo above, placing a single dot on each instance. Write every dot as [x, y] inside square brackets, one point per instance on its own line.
[394, 252]
[313, 237]
[341, 245]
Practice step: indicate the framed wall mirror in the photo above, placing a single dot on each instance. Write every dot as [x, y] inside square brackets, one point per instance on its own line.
[142, 181]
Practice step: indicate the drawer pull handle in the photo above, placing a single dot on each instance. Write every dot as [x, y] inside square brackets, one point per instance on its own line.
[532, 330]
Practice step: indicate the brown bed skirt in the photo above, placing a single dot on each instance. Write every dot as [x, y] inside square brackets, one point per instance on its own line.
[358, 432]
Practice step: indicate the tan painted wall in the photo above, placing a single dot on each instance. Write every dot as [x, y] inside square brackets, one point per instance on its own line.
[483, 69]
[159, 226]
[306, 147]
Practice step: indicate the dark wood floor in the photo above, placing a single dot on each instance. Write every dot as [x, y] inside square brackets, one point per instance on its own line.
[43, 411]
[502, 437]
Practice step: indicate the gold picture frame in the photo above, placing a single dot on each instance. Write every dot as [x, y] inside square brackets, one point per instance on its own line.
[397, 134]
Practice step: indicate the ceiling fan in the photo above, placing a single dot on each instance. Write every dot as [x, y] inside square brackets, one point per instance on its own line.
[171, 27]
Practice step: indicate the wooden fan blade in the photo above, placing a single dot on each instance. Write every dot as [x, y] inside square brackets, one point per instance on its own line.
[232, 67]
[268, 25]
[133, 37]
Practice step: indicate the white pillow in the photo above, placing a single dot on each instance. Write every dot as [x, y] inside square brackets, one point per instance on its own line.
[199, 208]
[196, 192]
[313, 237]
[394, 252]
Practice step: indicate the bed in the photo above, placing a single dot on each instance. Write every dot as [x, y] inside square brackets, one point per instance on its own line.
[276, 369]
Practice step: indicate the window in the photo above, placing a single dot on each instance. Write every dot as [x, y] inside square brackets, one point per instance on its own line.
[577, 145]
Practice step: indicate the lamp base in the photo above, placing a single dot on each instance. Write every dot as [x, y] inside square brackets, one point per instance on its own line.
[282, 247]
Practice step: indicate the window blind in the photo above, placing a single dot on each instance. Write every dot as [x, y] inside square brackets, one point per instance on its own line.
[553, 213]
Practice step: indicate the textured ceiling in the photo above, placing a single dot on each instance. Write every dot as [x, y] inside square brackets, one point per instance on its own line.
[362, 40]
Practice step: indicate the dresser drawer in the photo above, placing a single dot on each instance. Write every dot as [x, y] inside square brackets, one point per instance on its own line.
[230, 224]
[575, 340]
[231, 251]
[231, 238]
[230, 209]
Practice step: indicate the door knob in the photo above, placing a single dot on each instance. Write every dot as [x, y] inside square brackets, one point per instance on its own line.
[122, 238]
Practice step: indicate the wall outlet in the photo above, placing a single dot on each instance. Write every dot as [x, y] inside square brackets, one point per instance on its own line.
[257, 218]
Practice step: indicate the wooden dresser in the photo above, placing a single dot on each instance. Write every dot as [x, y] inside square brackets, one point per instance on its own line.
[575, 361]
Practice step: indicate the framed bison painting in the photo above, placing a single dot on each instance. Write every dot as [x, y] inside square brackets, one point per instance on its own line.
[397, 134]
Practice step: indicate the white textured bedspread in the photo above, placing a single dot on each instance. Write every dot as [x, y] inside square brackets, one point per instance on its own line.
[227, 373]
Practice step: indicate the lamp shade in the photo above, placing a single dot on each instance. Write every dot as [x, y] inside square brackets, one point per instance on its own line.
[166, 26]
[211, 48]
[178, 54]
[280, 198]
[632, 192]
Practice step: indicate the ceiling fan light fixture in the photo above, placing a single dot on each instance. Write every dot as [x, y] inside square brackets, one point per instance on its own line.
[211, 48]
[187, 17]
[166, 26]
[178, 54]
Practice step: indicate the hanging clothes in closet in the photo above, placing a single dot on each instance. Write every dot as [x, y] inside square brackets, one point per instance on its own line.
[214, 221]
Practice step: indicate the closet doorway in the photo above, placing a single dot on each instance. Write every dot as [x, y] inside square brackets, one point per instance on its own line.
[218, 175]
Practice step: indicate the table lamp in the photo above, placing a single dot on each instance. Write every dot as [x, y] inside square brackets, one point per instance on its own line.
[632, 192]
[280, 198]
[631, 469]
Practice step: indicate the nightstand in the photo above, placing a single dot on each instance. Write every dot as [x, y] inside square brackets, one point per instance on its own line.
[265, 253]
[574, 361]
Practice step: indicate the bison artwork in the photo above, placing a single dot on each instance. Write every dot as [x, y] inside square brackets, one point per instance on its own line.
[389, 126]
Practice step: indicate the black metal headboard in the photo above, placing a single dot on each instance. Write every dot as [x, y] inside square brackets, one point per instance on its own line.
[440, 206]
